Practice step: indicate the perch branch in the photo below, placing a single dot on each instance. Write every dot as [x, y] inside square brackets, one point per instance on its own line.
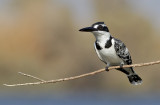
[41, 81]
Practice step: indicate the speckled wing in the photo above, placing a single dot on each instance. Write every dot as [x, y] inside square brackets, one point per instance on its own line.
[122, 51]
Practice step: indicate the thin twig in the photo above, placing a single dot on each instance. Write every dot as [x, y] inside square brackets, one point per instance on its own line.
[27, 75]
[82, 75]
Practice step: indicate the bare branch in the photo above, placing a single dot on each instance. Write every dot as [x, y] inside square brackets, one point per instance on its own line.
[79, 76]
[27, 75]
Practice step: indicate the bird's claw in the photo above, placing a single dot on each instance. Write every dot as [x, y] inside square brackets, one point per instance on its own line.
[121, 65]
[106, 68]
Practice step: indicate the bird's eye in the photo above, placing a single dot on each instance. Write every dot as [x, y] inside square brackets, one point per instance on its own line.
[100, 27]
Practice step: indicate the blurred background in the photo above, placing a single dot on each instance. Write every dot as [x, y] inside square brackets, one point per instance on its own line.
[41, 38]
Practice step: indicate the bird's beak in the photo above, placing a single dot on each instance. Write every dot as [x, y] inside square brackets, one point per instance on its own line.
[87, 29]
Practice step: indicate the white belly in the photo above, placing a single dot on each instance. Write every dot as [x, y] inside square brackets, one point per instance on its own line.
[109, 56]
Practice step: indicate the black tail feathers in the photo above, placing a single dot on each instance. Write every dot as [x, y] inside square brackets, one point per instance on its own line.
[134, 79]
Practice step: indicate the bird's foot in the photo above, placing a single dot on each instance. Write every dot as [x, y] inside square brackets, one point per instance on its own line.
[106, 68]
[121, 65]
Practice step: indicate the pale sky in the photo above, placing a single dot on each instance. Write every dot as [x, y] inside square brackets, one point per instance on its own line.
[83, 10]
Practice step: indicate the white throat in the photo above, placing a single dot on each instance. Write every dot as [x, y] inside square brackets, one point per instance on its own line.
[101, 36]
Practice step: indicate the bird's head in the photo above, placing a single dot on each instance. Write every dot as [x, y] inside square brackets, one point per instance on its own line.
[98, 28]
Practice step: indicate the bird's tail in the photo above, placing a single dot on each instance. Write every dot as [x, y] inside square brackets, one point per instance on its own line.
[134, 79]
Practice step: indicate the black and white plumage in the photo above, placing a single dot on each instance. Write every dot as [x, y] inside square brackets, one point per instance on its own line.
[112, 51]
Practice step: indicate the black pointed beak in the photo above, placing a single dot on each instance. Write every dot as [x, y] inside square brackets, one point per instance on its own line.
[87, 29]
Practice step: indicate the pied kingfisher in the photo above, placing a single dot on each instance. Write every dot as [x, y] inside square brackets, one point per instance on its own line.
[112, 51]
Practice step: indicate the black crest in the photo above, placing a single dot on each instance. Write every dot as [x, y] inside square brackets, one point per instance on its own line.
[101, 26]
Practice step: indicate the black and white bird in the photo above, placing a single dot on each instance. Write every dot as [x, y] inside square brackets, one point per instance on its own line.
[112, 51]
